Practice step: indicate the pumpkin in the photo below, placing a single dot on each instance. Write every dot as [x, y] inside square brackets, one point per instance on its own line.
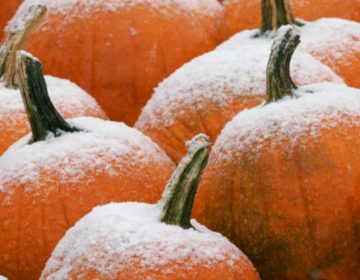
[205, 94]
[68, 98]
[53, 177]
[118, 51]
[335, 42]
[245, 14]
[150, 241]
[8, 8]
[283, 182]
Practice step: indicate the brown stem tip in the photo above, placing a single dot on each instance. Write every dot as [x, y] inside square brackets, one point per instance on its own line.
[15, 40]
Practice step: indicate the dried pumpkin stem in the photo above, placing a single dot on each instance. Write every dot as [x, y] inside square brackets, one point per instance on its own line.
[178, 197]
[15, 40]
[42, 115]
[278, 78]
[276, 13]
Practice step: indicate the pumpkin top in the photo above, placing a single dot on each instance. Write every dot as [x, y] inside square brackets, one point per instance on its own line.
[222, 76]
[66, 96]
[84, 8]
[313, 108]
[132, 232]
[98, 147]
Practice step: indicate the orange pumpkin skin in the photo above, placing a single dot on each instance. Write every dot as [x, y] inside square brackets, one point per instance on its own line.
[148, 41]
[246, 14]
[8, 8]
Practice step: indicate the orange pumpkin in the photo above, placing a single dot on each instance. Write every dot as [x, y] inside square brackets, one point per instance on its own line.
[335, 42]
[8, 8]
[68, 98]
[205, 94]
[145, 241]
[118, 51]
[245, 14]
[51, 179]
[283, 182]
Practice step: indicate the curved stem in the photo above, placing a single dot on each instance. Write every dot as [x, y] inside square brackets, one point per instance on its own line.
[276, 13]
[178, 197]
[278, 78]
[42, 115]
[15, 40]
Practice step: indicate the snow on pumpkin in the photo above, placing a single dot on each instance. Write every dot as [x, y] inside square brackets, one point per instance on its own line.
[143, 241]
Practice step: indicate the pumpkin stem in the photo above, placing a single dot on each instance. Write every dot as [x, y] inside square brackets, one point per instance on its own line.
[278, 79]
[276, 13]
[178, 198]
[15, 40]
[42, 115]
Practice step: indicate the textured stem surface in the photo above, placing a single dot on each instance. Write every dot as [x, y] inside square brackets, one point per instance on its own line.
[179, 194]
[278, 78]
[276, 13]
[42, 115]
[15, 40]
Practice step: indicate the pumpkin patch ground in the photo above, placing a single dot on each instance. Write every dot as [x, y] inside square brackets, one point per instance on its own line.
[179, 139]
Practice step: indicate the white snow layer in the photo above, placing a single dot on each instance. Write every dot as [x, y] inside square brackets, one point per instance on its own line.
[114, 237]
[314, 108]
[99, 147]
